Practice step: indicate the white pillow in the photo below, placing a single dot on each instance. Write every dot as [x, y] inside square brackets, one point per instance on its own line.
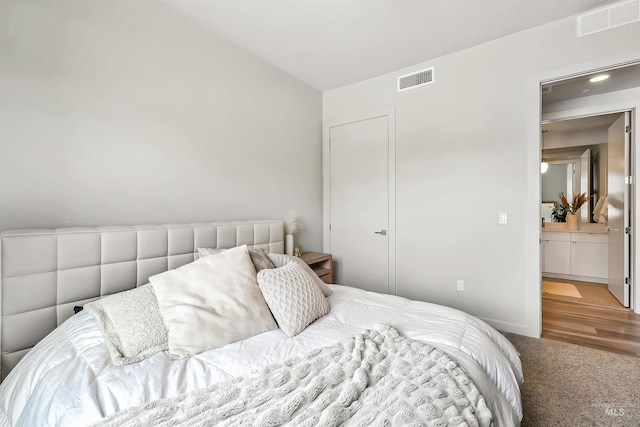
[280, 260]
[211, 302]
[203, 252]
[258, 256]
[293, 297]
[131, 324]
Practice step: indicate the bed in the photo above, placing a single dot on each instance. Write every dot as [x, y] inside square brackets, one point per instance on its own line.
[367, 359]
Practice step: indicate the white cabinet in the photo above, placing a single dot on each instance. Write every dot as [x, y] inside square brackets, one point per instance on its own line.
[575, 255]
[590, 255]
[556, 252]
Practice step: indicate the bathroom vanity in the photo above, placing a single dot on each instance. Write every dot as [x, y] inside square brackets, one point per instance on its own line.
[581, 254]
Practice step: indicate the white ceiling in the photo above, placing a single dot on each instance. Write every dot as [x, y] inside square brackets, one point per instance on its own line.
[333, 43]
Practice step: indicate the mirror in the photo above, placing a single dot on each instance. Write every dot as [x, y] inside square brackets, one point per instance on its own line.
[572, 172]
[576, 151]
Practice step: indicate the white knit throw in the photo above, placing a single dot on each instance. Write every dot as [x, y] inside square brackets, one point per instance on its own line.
[377, 378]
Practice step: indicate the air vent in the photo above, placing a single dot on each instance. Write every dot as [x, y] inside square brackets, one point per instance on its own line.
[616, 15]
[417, 79]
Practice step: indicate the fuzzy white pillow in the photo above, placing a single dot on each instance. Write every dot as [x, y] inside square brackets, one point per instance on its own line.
[211, 302]
[131, 324]
[293, 297]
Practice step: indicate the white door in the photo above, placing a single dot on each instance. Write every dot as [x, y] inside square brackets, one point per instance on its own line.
[618, 209]
[359, 203]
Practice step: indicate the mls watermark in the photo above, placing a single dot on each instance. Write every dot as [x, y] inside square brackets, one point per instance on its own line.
[615, 409]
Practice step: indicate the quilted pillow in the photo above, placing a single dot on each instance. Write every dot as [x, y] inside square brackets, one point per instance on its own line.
[211, 302]
[131, 324]
[259, 257]
[280, 260]
[293, 297]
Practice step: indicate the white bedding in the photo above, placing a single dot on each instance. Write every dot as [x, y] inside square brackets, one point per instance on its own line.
[68, 378]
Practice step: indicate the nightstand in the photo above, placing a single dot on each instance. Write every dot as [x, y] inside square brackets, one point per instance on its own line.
[321, 264]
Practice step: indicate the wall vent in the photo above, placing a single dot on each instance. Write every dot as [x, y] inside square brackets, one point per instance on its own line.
[416, 79]
[605, 18]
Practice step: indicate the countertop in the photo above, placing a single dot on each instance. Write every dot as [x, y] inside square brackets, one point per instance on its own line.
[584, 228]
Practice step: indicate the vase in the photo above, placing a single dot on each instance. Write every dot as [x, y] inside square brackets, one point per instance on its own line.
[573, 221]
[288, 244]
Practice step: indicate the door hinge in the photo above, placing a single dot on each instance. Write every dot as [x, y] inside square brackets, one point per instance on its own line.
[329, 227]
[628, 180]
[627, 129]
[627, 230]
[627, 281]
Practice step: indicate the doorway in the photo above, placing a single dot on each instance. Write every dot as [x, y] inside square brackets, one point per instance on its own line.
[587, 273]
[587, 157]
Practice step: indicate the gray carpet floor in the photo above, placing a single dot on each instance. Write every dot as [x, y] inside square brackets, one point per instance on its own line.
[568, 385]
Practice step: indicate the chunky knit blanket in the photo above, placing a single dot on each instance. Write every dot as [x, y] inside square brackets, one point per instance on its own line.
[376, 378]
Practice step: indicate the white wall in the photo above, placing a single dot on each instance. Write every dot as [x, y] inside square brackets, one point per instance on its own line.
[129, 113]
[468, 147]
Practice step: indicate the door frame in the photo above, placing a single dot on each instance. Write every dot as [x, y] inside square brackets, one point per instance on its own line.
[326, 184]
[533, 117]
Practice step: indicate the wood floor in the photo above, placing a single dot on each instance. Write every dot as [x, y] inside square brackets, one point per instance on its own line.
[605, 328]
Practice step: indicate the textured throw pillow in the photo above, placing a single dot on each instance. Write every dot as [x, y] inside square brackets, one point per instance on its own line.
[131, 324]
[280, 260]
[211, 302]
[293, 297]
[259, 257]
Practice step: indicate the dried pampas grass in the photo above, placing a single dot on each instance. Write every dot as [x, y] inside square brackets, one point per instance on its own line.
[576, 203]
[292, 225]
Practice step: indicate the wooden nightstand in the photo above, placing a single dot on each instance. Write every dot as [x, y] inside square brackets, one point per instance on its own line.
[321, 263]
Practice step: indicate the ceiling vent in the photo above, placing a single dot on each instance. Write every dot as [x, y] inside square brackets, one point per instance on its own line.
[605, 18]
[417, 79]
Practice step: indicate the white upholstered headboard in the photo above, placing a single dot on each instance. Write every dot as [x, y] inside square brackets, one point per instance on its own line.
[45, 273]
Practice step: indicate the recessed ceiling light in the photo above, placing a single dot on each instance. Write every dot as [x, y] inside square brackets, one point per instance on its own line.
[599, 78]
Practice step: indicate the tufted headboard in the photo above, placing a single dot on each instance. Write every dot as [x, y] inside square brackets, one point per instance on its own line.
[45, 273]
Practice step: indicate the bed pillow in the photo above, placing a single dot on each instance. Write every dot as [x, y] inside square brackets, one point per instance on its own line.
[203, 252]
[280, 260]
[211, 302]
[131, 324]
[293, 297]
[259, 257]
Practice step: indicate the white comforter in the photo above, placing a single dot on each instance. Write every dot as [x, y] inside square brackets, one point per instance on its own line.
[68, 379]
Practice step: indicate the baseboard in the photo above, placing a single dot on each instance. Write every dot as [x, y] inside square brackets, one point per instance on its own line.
[513, 328]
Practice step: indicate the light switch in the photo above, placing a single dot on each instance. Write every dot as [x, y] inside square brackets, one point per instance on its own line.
[502, 218]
